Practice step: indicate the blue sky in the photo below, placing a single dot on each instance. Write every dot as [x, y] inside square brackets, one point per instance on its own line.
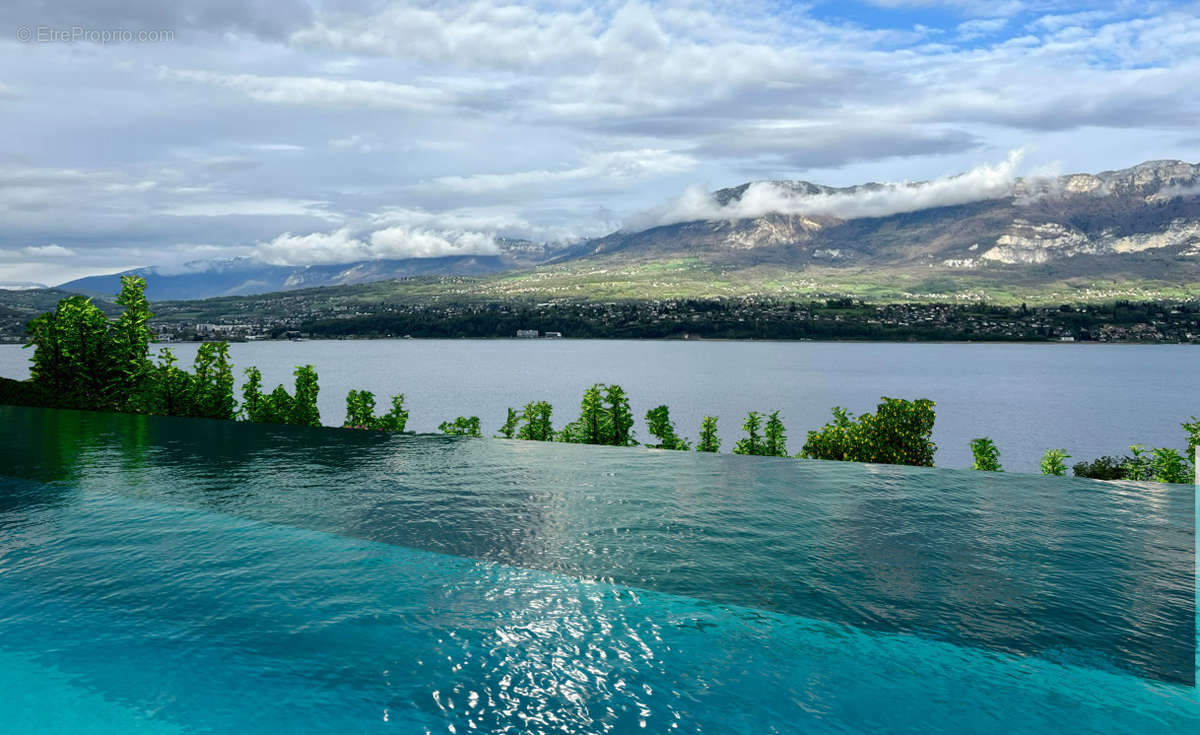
[312, 132]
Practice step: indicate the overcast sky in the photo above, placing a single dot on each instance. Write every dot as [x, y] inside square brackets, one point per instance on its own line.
[304, 132]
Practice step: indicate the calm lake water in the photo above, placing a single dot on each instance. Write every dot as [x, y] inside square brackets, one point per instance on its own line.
[1088, 399]
[190, 576]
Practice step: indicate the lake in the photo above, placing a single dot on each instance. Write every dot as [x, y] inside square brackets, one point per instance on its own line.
[192, 576]
[1091, 400]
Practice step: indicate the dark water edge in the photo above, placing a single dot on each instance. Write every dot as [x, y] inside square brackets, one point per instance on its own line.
[1078, 571]
[1028, 398]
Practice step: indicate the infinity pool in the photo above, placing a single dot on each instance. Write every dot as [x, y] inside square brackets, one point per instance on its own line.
[167, 575]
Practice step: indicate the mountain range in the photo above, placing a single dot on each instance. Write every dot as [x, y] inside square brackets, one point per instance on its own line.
[1135, 228]
[248, 276]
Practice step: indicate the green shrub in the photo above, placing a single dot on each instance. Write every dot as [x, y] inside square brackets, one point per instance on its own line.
[461, 426]
[509, 429]
[775, 437]
[1053, 462]
[536, 424]
[987, 456]
[753, 443]
[360, 412]
[709, 440]
[1104, 468]
[897, 433]
[662, 428]
[279, 406]
[1168, 465]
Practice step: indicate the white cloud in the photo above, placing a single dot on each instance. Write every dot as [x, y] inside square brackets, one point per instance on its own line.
[48, 251]
[252, 208]
[339, 246]
[321, 91]
[609, 165]
[987, 181]
[407, 242]
[396, 242]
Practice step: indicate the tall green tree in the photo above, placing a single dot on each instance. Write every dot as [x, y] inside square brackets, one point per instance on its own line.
[620, 417]
[73, 357]
[253, 402]
[304, 406]
[360, 409]
[171, 391]
[396, 418]
[592, 418]
[212, 382]
[661, 427]
[592, 426]
[709, 440]
[753, 442]
[509, 429]
[279, 406]
[775, 437]
[131, 339]
[536, 422]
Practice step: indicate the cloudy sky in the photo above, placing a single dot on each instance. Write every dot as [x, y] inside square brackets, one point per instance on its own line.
[325, 131]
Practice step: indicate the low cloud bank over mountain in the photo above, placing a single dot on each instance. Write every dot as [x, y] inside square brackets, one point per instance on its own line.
[987, 181]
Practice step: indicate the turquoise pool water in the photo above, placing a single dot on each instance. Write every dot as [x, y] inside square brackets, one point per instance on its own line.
[165, 575]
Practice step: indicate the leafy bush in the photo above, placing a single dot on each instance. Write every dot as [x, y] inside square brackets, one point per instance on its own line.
[510, 425]
[775, 443]
[1193, 436]
[536, 422]
[360, 409]
[753, 443]
[1104, 468]
[1053, 462]
[897, 433]
[662, 428]
[396, 419]
[709, 440]
[604, 418]
[279, 406]
[207, 392]
[461, 426]
[1158, 465]
[987, 456]
[360, 412]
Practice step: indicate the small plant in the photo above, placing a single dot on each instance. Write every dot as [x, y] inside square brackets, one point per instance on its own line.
[1168, 465]
[279, 406]
[461, 426]
[663, 429]
[775, 444]
[396, 419]
[1193, 436]
[1053, 462]
[360, 408]
[709, 440]
[509, 429]
[360, 412]
[753, 443]
[536, 422]
[1139, 466]
[987, 456]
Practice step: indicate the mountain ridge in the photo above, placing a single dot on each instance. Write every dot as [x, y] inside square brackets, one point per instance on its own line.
[1141, 223]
